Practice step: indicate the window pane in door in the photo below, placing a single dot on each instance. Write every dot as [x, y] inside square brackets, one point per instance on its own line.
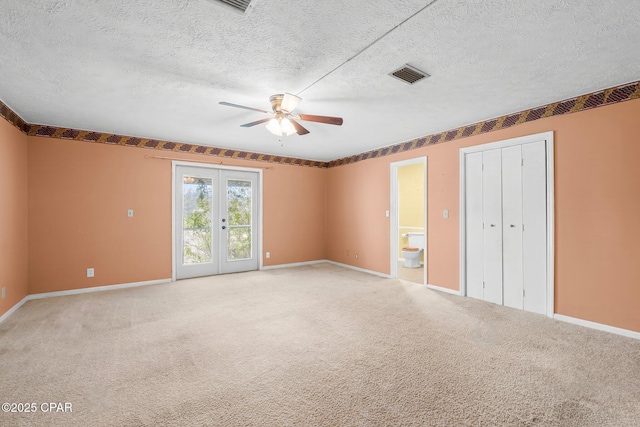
[239, 219]
[239, 243]
[197, 217]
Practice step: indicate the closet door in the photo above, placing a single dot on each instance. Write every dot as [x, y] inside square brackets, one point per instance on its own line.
[534, 199]
[492, 218]
[473, 225]
[512, 226]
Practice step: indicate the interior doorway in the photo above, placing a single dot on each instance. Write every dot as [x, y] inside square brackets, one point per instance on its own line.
[216, 220]
[408, 220]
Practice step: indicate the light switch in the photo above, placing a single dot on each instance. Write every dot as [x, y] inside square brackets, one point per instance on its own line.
[445, 213]
[268, 255]
[130, 213]
[386, 213]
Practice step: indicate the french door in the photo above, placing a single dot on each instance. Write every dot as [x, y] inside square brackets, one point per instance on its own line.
[216, 221]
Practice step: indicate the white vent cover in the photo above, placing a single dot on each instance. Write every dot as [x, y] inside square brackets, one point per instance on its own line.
[242, 6]
[409, 74]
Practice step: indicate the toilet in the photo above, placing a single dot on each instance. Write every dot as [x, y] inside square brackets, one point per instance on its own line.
[413, 251]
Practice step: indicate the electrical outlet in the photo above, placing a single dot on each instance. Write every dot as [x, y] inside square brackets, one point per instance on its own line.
[4, 292]
[267, 255]
[90, 272]
[130, 213]
[445, 213]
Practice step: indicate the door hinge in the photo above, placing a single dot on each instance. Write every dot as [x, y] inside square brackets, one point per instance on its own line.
[483, 225]
[524, 294]
[521, 162]
[482, 285]
[522, 226]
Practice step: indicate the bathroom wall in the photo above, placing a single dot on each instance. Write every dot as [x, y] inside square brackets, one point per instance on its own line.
[410, 202]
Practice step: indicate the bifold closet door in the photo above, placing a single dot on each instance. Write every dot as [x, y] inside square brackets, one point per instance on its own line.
[492, 218]
[473, 226]
[512, 226]
[534, 203]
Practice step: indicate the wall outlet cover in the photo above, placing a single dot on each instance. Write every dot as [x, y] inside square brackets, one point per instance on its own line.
[90, 272]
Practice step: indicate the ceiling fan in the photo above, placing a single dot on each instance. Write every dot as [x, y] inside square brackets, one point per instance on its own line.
[282, 120]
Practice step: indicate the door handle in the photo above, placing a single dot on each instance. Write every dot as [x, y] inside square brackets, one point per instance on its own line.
[224, 227]
[512, 226]
[223, 220]
[493, 225]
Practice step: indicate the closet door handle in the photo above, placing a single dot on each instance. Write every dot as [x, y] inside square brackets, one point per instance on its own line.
[512, 226]
[493, 225]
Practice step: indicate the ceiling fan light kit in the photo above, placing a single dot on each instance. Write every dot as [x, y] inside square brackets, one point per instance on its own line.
[281, 127]
[282, 122]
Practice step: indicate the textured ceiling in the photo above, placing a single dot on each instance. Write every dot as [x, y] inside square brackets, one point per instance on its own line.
[158, 69]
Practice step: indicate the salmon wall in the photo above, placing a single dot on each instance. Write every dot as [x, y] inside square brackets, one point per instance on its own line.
[80, 193]
[13, 215]
[597, 239]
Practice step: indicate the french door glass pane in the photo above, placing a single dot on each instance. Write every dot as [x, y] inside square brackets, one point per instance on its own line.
[239, 219]
[197, 217]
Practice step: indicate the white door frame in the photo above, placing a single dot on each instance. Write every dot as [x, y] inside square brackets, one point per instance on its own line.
[176, 163]
[393, 217]
[548, 137]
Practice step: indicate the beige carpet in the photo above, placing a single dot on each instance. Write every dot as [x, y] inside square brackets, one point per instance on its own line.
[309, 346]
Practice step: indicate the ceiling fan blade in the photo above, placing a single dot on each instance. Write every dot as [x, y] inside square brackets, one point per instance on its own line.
[289, 102]
[228, 104]
[321, 119]
[248, 125]
[299, 128]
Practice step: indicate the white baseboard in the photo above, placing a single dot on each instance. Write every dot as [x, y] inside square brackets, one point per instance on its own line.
[97, 289]
[79, 291]
[322, 261]
[13, 309]
[441, 289]
[293, 264]
[364, 270]
[599, 326]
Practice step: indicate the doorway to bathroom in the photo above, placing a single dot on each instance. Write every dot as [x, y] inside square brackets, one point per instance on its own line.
[408, 220]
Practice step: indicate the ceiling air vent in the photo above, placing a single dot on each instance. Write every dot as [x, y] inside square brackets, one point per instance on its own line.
[242, 6]
[409, 74]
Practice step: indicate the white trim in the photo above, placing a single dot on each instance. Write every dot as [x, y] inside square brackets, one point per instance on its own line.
[364, 270]
[79, 291]
[173, 222]
[97, 289]
[213, 166]
[394, 227]
[548, 137]
[326, 261]
[294, 264]
[14, 308]
[445, 290]
[598, 326]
